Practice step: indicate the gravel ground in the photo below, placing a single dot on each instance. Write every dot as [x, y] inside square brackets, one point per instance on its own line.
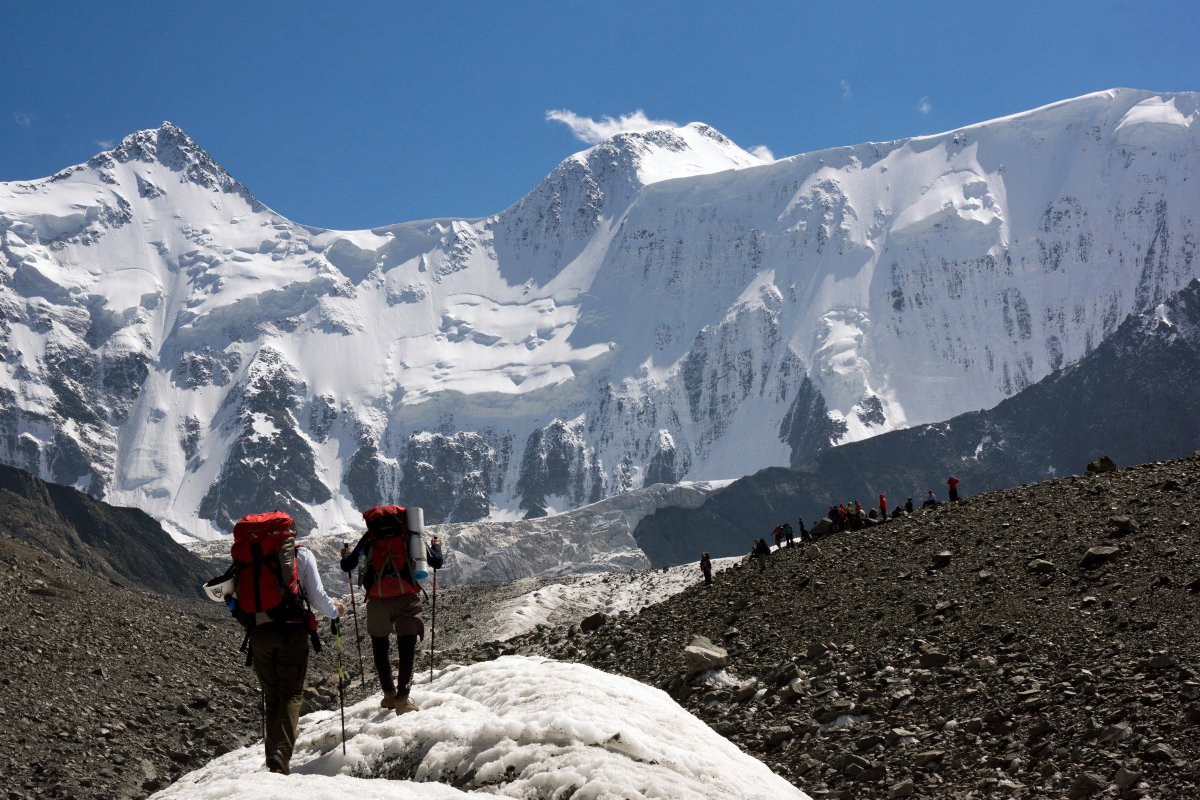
[975, 650]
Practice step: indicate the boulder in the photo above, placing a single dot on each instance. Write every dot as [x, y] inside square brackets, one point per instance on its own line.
[702, 655]
[1101, 465]
[1098, 556]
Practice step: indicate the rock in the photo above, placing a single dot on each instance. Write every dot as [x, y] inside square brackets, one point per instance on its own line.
[815, 651]
[593, 623]
[1122, 524]
[702, 655]
[1041, 566]
[1115, 733]
[984, 576]
[1097, 556]
[1086, 784]
[942, 560]
[1101, 465]
[1126, 778]
[921, 759]
[1160, 753]
[904, 788]
[933, 660]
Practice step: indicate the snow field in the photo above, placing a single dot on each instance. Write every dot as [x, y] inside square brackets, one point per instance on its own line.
[515, 727]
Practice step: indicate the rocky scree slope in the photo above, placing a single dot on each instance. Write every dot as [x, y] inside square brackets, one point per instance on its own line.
[108, 692]
[661, 307]
[1032, 642]
[1136, 398]
[124, 545]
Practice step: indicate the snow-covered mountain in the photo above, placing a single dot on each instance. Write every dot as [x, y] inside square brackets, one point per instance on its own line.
[661, 307]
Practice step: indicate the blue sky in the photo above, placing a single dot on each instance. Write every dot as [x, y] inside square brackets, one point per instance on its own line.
[361, 114]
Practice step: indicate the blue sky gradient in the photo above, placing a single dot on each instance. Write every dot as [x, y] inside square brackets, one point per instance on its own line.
[363, 114]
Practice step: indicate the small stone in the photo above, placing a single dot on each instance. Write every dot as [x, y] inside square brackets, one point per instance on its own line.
[942, 560]
[593, 622]
[1097, 556]
[1041, 565]
[1123, 524]
[904, 788]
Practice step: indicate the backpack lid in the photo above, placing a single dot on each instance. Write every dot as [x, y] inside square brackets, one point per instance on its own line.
[383, 517]
[258, 524]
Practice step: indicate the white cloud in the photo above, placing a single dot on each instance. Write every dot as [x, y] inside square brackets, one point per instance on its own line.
[924, 105]
[105, 144]
[593, 131]
[762, 152]
[847, 93]
[23, 118]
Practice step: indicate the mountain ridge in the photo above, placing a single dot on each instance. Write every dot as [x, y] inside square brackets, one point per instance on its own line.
[164, 339]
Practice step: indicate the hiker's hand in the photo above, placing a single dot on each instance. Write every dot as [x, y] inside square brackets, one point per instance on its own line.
[341, 607]
[345, 550]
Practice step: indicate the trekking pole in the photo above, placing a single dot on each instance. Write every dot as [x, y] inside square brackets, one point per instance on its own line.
[337, 633]
[357, 636]
[433, 626]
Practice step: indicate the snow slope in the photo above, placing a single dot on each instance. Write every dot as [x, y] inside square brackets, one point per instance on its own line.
[514, 727]
[661, 307]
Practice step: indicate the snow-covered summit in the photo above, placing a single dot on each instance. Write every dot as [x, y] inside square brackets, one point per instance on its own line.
[661, 307]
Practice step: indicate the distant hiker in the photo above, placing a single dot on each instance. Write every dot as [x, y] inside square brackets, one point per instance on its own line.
[909, 506]
[873, 513]
[789, 533]
[930, 500]
[882, 507]
[396, 559]
[762, 551]
[952, 482]
[274, 583]
[706, 568]
[778, 534]
[803, 530]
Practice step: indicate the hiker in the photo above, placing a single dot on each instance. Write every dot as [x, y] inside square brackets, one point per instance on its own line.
[909, 506]
[706, 568]
[762, 551]
[873, 514]
[778, 534]
[804, 535]
[393, 594]
[789, 533]
[952, 482]
[930, 500]
[277, 584]
[882, 507]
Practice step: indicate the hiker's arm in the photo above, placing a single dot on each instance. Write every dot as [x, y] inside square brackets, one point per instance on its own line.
[310, 582]
[349, 561]
[433, 555]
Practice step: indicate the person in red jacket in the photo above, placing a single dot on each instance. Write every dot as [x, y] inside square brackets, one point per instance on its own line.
[952, 482]
[882, 507]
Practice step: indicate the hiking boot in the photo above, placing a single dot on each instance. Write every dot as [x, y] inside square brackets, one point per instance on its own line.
[388, 701]
[276, 766]
[404, 705]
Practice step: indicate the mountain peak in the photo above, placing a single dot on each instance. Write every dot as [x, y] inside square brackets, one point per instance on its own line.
[664, 153]
[170, 146]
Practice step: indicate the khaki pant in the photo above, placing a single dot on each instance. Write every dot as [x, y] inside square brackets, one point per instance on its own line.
[280, 653]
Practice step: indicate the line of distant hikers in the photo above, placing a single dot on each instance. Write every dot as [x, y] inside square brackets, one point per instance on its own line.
[851, 516]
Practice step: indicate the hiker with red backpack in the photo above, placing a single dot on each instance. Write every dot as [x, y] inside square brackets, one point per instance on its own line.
[396, 558]
[271, 589]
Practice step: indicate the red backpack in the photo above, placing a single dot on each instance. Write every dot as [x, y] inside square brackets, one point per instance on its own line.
[268, 577]
[387, 535]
